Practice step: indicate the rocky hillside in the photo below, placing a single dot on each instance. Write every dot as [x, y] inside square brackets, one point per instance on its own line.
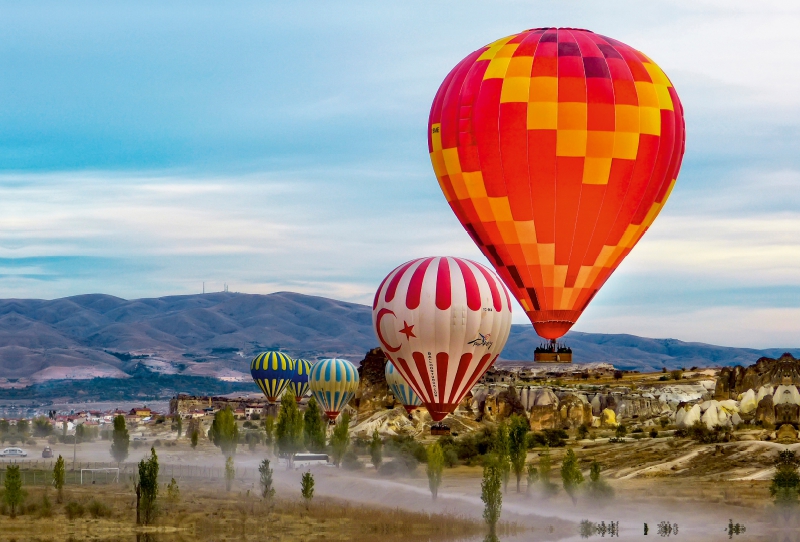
[215, 335]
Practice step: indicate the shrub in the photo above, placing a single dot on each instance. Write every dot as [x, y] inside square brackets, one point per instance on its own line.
[407, 448]
[654, 433]
[350, 461]
[582, 432]
[554, 438]
[157, 443]
[97, 509]
[395, 467]
[676, 374]
[621, 431]
[52, 439]
[74, 510]
[46, 508]
[450, 457]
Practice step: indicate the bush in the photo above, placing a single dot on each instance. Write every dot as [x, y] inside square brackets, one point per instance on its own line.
[407, 448]
[450, 457]
[394, 468]
[681, 433]
[98, 510]
[52, 439]
[74, 510]
[654, 433]
[157, 443]
[676, 374]
[350, 461]
[137, 444]
[555, 438]
[664, 378]
[46, 508]
[704, 435]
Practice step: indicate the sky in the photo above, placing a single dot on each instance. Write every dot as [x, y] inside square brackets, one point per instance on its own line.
[146, 150]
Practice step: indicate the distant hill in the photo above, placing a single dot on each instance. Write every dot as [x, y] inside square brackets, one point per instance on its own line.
[216, 335]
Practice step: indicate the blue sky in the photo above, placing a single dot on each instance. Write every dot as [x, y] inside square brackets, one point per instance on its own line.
[281, 146]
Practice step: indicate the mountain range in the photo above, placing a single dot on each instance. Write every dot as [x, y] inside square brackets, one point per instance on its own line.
[215, 335]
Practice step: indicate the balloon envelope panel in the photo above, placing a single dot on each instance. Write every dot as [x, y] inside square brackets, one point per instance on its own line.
[556, 148]
[299, 384]
[272, 371]
[442, 322]
[333, 382]
[400, 388]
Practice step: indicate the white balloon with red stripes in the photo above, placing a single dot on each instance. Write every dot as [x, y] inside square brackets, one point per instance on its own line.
[443, 321]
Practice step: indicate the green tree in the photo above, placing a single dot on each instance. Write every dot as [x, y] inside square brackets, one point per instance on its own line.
[786, 481]
[307, 487]
[518, 445]
[224, 432]
[269, 429]
[571, 475]
[230, 473]
[533, 477]
[120, 439]
[376, 450]
[545, 468]
[147, 490]
[14, 495]
[598, 488]
[267, 490]
[195, 436]
[178, 425]
[59, 477]
[501, 449]
[434, 468]
[621, 431]
[289, 429]
[23, 428]
[582, 432]
[4, 427]
[491, 495]
[42, 427]
[80, 434]
[340, 439]
[173, 492]
[314, 427]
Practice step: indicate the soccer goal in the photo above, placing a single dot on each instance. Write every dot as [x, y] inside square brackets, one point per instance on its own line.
[101, 475]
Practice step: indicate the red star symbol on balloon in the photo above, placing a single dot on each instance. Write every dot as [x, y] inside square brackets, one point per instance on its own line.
[408, 330]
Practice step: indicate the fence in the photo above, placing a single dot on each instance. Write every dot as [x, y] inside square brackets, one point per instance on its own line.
[40, 472]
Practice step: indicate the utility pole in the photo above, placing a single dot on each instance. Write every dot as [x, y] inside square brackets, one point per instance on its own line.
[74, 447]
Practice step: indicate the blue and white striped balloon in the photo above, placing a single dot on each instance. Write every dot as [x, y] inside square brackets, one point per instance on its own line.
[333, 382]
[400, 388]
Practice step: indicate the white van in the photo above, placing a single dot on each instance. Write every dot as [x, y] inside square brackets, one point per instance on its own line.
[308, 460]
[13, 452]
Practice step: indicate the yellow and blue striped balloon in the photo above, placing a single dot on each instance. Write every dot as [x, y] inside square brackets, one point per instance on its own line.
[333, 382]
[273, 372]
[299, 384]
[400, 388]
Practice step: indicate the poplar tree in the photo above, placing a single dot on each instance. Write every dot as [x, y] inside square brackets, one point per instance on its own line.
[571, 475]
[340, 439]
[120, 439]
[14, 495]
[147, 489]
[434, 468]
[313, 427]
[376, 450]
[518, 445]
[307, 487]
[265, 475]
[289, 429]
[224, 432]
[501, 450]
[491, 495]
[59, 477]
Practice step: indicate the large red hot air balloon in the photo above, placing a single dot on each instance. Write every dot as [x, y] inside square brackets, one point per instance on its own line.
[556, 148]
[442, 322]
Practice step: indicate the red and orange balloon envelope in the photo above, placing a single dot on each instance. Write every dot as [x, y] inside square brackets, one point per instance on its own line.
[556, 148]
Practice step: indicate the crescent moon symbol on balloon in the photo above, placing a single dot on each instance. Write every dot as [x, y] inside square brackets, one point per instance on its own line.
[381, 314]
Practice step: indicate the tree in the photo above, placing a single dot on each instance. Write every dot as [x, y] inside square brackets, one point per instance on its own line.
[571, 475]
[314, 427]
[533, 477]
[224, 432]
[173, 492]
[120, 439]
[617, 375]
[80, 434]
[786, 481]
[147, 490]
[434, 468]
[582, 432]
[289, 429]
[14, 495]
[501, 449]
[269, 428]
[545, 467]
[491, 494]
[178, 425]
[598, 488]
[307, 487]
[230, 473]
[340, 439]
[267, 491]
[518, 445]
[23, 428]
[59, 477]
[621, 431]
[376, 450]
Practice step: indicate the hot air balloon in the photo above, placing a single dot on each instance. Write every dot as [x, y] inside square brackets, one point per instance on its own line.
[333, 383]
[442, 322]
[299, 384]
[556, 148]
[400, 388]
[273, 372]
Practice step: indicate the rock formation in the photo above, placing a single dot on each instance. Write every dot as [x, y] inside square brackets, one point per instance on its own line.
[733, 381]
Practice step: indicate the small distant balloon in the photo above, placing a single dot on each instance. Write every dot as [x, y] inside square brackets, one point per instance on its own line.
[400, 388]
[333, 382]
[299, 384]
